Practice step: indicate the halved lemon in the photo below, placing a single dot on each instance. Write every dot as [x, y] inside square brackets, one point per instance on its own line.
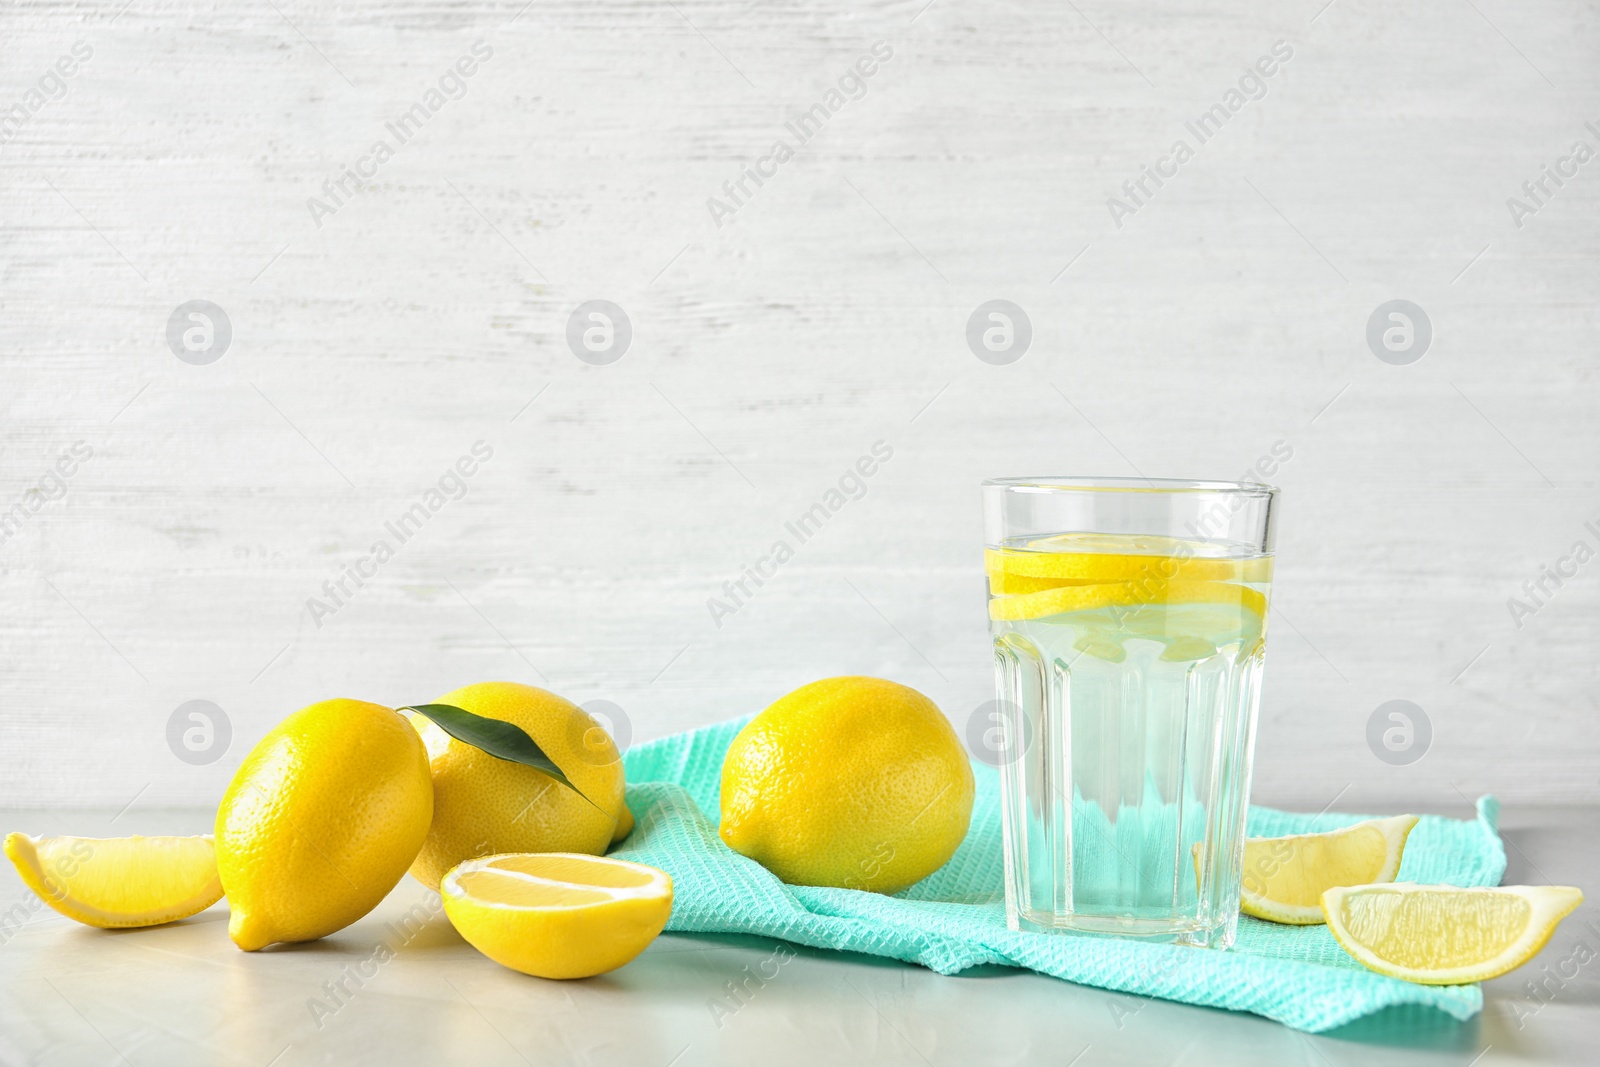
[1442, 934]
[1285, 877]
[557, 914]
[119, 881]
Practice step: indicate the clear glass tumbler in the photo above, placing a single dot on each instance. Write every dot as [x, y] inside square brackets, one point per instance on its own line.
[1129, 618]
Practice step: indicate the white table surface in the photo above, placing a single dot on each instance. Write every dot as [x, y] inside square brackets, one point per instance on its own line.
[182, 994]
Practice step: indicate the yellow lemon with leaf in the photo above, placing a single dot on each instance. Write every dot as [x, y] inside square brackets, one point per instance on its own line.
[485, 804]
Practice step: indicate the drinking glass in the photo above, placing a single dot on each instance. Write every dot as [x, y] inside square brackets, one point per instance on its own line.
[1129, 621]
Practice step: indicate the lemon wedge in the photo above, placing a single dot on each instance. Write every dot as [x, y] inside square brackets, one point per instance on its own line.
[1444, 935]
[1285, 877]
[119, 881]
[557, 914]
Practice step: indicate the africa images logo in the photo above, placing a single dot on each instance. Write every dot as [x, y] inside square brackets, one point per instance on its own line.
[452, 485]
[50, 88]
[1536, 192]
[404, 129]
[1137, 192]
[851, 486]
[852, 85]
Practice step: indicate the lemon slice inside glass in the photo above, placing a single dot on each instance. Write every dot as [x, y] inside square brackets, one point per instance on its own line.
[1152, 593]
[1442, 934]
[1001, 583]
[119, 881]
[1285, 877]
[1078, 557]
[557, 914]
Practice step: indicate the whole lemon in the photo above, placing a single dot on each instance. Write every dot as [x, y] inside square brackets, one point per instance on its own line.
[320, 822]
[483, 805]
[858, 783]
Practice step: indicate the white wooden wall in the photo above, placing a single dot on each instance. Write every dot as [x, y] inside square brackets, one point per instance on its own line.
[827, 313]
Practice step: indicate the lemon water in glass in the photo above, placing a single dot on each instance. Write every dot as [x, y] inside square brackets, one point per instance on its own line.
[1129, 624]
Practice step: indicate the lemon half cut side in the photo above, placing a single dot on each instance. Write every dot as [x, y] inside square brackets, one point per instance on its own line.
[119, 881]
[557, 914]
[1442, 934]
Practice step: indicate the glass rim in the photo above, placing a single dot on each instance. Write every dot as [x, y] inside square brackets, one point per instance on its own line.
[1071, 483]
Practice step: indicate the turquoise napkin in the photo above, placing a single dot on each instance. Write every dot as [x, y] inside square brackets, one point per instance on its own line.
[955, 918]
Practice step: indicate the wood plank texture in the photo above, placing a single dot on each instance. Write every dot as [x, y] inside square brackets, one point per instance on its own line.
[374, 343]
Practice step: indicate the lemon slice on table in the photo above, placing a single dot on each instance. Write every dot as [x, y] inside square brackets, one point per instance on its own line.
[1444, 935]
[119, 881]
[1285, 877]
[557, 914]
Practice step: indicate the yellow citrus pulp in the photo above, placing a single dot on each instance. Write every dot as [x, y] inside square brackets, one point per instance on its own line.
[119, 881]
[557, 915]
[320, 822]
[483, 805]
[858, 783]
[1444, 935]
[1285, 877]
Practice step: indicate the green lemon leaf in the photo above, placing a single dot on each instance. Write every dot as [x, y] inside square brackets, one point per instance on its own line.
[501, 739]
